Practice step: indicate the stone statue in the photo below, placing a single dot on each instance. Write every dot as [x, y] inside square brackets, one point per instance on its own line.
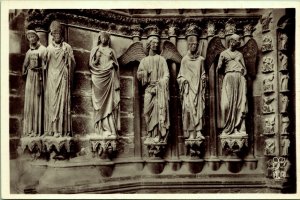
[284, 82]
[60, 66]
[153, 73]
[267, 105]
[285, 144]
[283, 41]
[283, 62]
[270, 146]
[285, 125]
[269, 126]
[268, 84]
[192, 83]
[105, 88]
[234, 89]
[34, 89]
[284, 104]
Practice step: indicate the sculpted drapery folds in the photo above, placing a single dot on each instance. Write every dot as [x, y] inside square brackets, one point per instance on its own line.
[153, 73]
[60, 67]
[234, 88]
[34, 89]
[191, 80]
[105, 87]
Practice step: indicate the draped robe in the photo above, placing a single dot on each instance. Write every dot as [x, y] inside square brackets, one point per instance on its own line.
[192, 92]
[153, 73]
[33, 104]
[105, 91]
[233, 96]
[60, 66]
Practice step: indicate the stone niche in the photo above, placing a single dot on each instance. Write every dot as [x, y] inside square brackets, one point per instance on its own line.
[130, 170]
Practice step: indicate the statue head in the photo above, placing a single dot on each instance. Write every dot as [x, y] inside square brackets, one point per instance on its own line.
[32, 37]
[152, 44]
[56, 32]
[192, 43]
[234, 41]
[104, 38]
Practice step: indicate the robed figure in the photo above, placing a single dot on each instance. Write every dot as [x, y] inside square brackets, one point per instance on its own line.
[105, 88]
[34, 88]
[153, 73]
[191, 80]
[234, 89]
[60, 66]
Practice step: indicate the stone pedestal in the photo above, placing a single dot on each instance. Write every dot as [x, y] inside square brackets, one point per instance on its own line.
[193, 147]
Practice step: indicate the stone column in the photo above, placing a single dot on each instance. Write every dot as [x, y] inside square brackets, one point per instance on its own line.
[136, 34]
[174, 103]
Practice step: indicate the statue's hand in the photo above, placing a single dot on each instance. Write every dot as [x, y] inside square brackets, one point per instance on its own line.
[153, 91]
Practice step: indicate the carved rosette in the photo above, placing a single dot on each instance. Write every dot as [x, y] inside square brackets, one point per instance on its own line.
[234, 143]
[193, 147]
[103, 147]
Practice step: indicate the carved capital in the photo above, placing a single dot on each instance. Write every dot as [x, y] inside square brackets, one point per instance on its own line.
[136, 30]
[248, 30]
[152, 30]
[173, 30]
[103, 147]
[230, 27]
[192, 30]
[211, 29]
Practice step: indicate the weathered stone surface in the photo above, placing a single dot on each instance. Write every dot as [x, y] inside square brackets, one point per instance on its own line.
[83, 39]
[120, 45]
[82, 60]
[16, 105]
[82, 84]
[82, 125]
[257, 100]
[82, 105]
[126, 86]
[13, 147]
[16, 85]
[126, 105]
[127, 125]
[15, 127]
[125, 146]
[15, 62]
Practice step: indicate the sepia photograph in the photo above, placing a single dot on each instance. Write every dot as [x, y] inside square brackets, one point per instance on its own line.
[182, 100]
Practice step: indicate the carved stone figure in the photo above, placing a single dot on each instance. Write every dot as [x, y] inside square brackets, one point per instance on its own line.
[268, 84]
[105, 88]
[268, 64]
[34, 88]
[284, 104]
[267, 105]
[284, 83]
[234, 89]
[283, 62]
[265, 21]
[285, 144]
[192, 82]
[267, 44]
[283, 39]
[270, 146]
[153, 73]
[285, 122]
[60, 65]
[269, 126]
